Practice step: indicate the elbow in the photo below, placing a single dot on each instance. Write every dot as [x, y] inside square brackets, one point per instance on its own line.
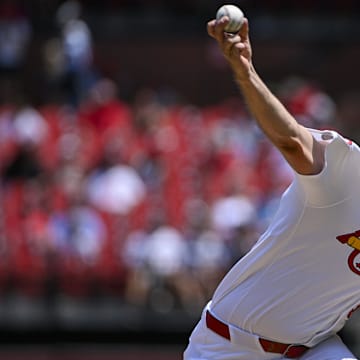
[289, 144]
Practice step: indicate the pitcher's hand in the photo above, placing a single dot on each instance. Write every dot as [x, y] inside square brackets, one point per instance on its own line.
[235, 47]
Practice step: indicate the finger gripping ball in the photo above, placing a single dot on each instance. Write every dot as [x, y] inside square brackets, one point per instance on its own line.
[235, 15]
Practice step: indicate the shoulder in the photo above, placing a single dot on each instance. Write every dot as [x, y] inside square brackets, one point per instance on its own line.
[341, 167]
[336, 145]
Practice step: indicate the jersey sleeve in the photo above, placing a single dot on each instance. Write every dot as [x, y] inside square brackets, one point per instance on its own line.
[333, 183]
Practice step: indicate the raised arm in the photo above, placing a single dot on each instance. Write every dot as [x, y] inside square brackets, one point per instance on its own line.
[304, 154]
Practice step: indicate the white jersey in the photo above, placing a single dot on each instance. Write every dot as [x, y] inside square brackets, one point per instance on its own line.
[301, 280]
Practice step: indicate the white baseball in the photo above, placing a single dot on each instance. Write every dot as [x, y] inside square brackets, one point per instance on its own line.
[235, 15]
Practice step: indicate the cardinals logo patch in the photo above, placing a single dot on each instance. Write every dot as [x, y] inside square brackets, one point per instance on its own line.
[353, 240]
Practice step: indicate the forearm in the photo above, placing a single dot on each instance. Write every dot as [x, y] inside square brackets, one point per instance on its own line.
[273, 118]
[293, 140]
[303, 153]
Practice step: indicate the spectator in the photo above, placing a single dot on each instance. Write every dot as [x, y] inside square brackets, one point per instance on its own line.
[116, 189]
[79, 74]
[27, 129]
[15, 34]
[78, 233]
[232, 211]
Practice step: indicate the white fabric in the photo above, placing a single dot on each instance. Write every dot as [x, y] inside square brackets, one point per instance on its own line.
[296, 285]
[330, 349]
[204, 344]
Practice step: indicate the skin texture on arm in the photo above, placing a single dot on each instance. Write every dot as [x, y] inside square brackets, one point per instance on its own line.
[304, 154]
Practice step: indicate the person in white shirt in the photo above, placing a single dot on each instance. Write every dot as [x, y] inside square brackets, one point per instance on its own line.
[289, 296]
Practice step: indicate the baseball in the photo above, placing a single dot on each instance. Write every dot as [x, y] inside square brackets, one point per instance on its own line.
[235, 15]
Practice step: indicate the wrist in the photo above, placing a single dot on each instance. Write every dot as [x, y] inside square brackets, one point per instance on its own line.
[245, 78]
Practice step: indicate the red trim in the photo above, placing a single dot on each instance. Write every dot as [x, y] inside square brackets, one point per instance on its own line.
[217, 326]
[289, 351]
[351, 312]
[351, 262]
[344, 238]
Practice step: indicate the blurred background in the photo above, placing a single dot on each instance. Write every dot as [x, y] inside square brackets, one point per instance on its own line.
[132, 176]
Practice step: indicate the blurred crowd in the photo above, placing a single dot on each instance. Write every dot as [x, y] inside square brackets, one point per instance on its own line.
[152, 200]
